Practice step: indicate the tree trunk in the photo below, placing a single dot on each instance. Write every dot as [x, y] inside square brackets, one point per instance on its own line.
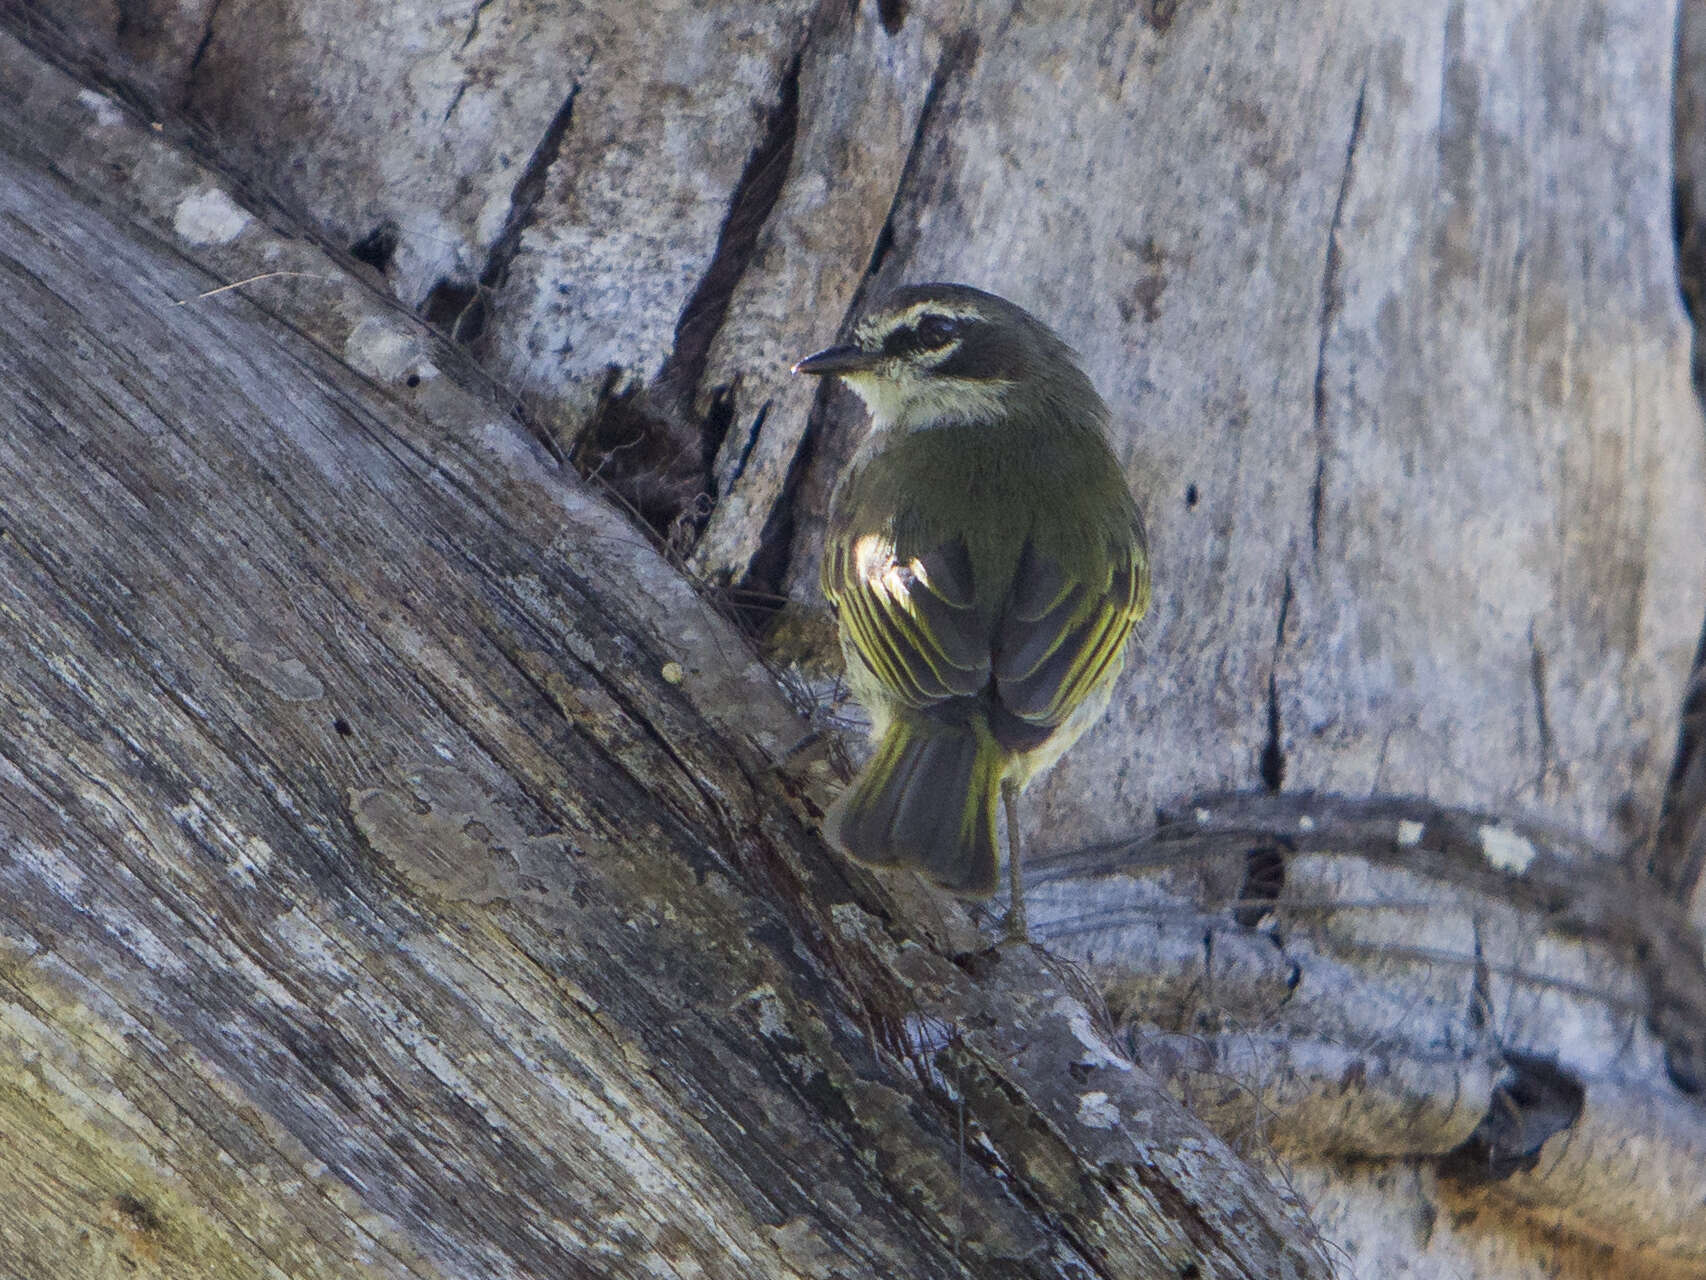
[391, 825]
[396, 879]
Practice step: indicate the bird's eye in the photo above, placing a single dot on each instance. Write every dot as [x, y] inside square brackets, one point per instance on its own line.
[938, 331]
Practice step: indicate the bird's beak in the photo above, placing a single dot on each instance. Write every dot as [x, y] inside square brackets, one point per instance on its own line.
[847, 359]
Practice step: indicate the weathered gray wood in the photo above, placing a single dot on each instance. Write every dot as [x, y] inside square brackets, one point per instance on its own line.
[574, 190]
[392, 877]
[1353, 1032]
[1679, 854]
[1390, 290]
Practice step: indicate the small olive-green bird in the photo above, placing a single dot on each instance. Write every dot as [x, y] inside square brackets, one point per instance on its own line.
[986, 562]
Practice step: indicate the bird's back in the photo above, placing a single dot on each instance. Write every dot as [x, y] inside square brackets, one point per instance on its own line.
[1072, 506]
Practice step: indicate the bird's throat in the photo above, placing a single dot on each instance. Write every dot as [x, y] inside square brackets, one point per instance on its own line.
[919, 404]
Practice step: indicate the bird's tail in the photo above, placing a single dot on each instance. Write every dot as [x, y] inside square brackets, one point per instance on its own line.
[926, 799]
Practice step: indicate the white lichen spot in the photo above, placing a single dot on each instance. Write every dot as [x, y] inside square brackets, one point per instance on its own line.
[1409, 834]
[810, 191]
[251, 860]
[106, 111]
[1097, 1111]
[1202, 816]
[1096, 1050]
[1305, 823]
[1505, 850]
[209, 217]
[672, 673]
[925, 1035]
[772, 1018]
[281, 674]
[382, 349]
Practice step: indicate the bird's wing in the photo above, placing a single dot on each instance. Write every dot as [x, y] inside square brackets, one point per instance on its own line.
[1060, 635]
[914, 622]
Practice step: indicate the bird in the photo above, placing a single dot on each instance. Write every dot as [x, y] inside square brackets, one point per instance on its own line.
[986, 562]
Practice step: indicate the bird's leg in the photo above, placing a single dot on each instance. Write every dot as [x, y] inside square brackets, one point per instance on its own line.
[1015, 877]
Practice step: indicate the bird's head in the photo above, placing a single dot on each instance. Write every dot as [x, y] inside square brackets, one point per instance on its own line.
[937, 354]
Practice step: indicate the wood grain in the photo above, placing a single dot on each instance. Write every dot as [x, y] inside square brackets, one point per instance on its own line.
[1386, 299]
[395, 882]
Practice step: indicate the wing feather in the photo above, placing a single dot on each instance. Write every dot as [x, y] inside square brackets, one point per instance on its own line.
[915, 623]
[917, 626]
[1060, 638]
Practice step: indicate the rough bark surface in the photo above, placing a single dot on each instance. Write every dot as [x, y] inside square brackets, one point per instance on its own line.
[1436, 420]
[1540, 1041]
[1386, 301]
[395, 881]
[1471, 572]
[1679, 852]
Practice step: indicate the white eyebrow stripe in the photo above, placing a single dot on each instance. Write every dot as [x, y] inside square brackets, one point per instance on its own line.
[918, 310]
[911, 316]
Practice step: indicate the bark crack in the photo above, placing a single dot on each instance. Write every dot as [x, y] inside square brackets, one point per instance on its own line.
[474, 23]
[1264, 863]
[461, 308]
[529, 189]
[455, 101]
[1332, 299]
[1480, 1014]
[892, 14]
[656, 447]
[750, 206]
[752, 433]
[192, 72]
[1273, 750]
[1542, 717]
[958, 54]
[1679, 853]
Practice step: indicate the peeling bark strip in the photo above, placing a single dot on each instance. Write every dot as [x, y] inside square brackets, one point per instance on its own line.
[470, 323]
[697, 412]
[1540, 1039]
[1679, 846]
[769, 567]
